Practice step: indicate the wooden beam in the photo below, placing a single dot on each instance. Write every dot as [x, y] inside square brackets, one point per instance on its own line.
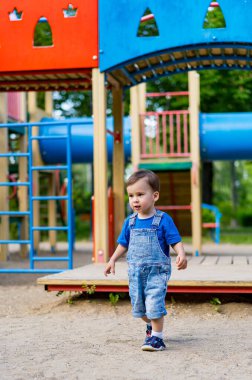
[100, 167]
[118, 161]
[137, 106]
[4, 190]
[194, 106]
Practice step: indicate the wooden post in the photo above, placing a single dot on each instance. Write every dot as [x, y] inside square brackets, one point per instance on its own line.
[23, 192]
[35, 115]
[194, 106]
[100, 167]
[4, 191]
[118, 161]
[137, 106]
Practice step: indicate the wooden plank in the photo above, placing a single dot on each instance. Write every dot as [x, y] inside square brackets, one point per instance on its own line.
[240, 260]
[196, 260]
[210, 260]
[118, 161]
[194, 103]
[100, 167]
[225, 260]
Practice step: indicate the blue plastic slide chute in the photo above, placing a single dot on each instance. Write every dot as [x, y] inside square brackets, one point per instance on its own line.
[226, 136]
[82, 136]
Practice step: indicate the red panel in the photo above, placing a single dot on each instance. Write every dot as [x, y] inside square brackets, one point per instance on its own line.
[75, 39]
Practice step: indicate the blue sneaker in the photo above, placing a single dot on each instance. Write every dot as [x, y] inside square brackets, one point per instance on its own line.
[148, 331]
[153, 344]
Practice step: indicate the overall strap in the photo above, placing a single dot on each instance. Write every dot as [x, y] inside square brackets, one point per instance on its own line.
[132, 220]
[157, 218]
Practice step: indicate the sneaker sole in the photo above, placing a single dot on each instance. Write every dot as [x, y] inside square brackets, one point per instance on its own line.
[150, 348]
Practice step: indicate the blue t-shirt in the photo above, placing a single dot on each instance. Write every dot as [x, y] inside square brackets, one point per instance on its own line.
[167, 232]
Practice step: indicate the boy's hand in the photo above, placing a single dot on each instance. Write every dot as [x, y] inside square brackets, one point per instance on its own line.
[110, 268]
[181, 262]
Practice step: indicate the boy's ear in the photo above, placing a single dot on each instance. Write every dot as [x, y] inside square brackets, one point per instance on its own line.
[156, 196]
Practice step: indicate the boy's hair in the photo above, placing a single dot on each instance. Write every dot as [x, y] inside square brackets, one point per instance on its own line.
[151, 178]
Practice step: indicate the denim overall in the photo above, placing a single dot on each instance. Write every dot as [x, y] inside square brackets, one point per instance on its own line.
[149, 270]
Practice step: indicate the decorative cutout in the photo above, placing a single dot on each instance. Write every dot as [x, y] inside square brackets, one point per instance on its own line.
[70, 11]
[43, 33]
[15, 15]
[148, 26]
[214, 17]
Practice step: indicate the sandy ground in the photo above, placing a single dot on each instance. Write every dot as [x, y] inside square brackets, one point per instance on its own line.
[42, 336]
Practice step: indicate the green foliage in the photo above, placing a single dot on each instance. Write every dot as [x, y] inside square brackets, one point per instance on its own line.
[244, 217]
[89, 289]
[113, 298]
[148, 28]
[216, 304]
[43, 34]
[214, 18]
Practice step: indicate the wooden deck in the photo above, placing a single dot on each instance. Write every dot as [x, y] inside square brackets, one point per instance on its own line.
[205, 274]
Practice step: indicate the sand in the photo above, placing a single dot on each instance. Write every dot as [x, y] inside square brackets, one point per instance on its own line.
[42, 336]
[45, 337]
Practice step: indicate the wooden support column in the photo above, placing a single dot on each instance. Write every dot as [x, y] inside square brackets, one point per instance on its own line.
[100, 168]
[35, 115]
[23, 193]
[137, 106]
[118, 161]
[194, 106]
[4, 191]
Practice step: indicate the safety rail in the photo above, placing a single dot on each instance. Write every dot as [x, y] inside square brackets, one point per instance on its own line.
[213, 226]
[33, 257]
[165, 134]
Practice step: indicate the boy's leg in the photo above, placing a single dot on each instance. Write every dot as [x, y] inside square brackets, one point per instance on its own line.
[158, 324]
[148, 326]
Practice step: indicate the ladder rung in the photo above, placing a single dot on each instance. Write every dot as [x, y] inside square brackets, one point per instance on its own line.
[15, 241]
[50, 167]
[48, 137]
[14, 154]
[48, 228]
[15, 213]
[50, 198]
[14, 183]
[59, 258]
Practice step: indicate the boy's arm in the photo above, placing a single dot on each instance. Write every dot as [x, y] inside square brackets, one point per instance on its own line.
[110, 267]
[181, 261]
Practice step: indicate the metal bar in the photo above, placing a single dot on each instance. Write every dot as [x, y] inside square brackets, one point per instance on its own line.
[14, 183]
[14, 241]
[159, 94]
[186, 145]
[181, 207]
[48, 228]
[178, 133]
[164, 134]
[69, 194]
[171, 133]
[157, 136]
[50, 167]
[15, 213]
[14, 154]
[30, 163]
[15, 270]
[49, 198]
[59, 258]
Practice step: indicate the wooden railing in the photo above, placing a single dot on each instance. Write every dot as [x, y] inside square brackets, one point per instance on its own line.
[165, 134]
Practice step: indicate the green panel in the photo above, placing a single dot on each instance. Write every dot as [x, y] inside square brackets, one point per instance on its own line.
[166, 166]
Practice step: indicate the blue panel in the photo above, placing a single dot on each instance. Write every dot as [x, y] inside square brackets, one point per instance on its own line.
[180, 24]
[226, 136]
[54, 152]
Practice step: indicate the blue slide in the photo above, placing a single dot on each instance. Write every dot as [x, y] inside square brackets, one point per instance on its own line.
[223, 136]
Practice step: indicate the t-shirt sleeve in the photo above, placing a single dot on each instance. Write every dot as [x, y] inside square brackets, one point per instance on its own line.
[171, 233]
[124, 236]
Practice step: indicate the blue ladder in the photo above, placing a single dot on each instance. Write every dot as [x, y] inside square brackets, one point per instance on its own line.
[69, 227]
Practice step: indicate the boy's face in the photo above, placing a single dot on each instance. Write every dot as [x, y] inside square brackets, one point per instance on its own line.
[142, 198]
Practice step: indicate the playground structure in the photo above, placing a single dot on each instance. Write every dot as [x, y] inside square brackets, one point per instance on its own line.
[85, 58]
